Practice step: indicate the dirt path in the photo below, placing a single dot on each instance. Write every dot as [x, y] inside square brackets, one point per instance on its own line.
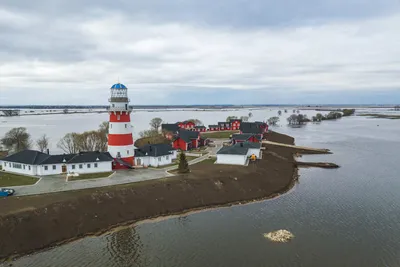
[302, 148]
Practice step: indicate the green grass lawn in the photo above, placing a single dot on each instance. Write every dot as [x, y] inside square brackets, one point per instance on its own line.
[85, 176]
[222, 134]
[10, 179]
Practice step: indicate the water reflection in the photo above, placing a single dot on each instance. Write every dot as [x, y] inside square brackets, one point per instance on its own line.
[125, 248]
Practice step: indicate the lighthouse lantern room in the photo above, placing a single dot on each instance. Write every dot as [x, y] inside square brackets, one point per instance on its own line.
[120, 140]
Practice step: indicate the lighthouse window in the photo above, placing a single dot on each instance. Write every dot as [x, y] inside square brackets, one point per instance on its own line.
[111, 126]
[126, 106]
[126, 125]
[127, 152]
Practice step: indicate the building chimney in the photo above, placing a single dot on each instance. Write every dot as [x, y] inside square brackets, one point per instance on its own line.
[48, 152]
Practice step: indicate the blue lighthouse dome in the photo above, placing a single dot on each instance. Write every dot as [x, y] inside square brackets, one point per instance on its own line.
[118, 86]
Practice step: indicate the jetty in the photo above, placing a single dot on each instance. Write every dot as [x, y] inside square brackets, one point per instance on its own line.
[303, 148]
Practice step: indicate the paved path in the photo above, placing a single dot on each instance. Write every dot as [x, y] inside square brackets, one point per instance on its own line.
[57, 183]
[322, 150]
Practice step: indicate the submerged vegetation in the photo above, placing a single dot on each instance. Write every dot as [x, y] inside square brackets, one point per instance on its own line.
[279, 236]
[381, 116]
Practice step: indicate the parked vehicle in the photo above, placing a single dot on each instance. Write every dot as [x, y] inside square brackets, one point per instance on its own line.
[6, 192]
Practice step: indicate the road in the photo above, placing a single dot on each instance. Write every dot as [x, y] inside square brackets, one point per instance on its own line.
[57, 183]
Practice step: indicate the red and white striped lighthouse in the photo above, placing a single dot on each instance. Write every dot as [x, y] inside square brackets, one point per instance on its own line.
[120, 140]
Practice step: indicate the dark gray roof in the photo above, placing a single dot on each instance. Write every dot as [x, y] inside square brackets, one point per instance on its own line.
[244, 136]
[31, 157]
[155, 150]
[233, 150]
[92, 156]
[56, 159]
[213, 126]
[170, 127]
[200, 127]
[187, 136]
[251, 127]
[239, 148]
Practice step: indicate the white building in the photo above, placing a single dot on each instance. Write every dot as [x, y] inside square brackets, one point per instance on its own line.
[31, 162]
[238, 154]
[155, 155]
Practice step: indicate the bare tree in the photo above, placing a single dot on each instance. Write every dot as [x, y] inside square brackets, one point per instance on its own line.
[155, 123]
[250, 114]
[273, 120]
[69, 143]
[148, 133]
[231, 118]
[244, 118]
[17, 139]
[42, 143]
[197, 122]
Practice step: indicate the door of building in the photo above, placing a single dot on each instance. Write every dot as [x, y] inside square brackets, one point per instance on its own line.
[64, 168]
[139, 162]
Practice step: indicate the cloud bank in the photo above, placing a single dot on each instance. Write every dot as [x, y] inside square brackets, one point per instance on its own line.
[58, 52]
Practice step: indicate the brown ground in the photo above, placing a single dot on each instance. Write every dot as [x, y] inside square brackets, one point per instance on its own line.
[35, 222]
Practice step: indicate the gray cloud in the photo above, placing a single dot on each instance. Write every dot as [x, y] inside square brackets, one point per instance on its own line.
[75, 51]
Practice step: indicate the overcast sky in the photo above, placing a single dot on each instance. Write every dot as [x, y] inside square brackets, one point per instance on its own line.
[200, 52]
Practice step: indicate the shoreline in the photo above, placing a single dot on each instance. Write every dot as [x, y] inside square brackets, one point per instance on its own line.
[36, 223]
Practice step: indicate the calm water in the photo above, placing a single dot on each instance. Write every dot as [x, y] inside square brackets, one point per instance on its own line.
[344, 217]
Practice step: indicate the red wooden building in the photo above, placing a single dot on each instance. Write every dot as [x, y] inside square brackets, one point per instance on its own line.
[235, 124]
[188, 125]
[187, 140]
[200, 128]
[213, 127]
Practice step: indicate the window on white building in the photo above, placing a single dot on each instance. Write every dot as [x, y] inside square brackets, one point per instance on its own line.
[159, 158]
[24, 167]
[88, 165]
[80, 166]
[29, 167]
[46, 168]
[167, 157]
[95, 165]
[54, 167]
[17, 166]
[73, 167]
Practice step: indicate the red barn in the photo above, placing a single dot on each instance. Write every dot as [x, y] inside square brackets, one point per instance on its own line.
[186, 140]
